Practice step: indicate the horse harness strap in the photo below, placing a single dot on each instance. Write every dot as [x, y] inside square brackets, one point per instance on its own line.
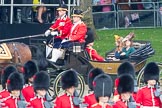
[16, 52]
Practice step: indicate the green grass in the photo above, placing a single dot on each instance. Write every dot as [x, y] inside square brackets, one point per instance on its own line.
[105, 40]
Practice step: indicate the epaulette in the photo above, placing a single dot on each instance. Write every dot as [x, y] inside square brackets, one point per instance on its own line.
[94, 105]
[33, 98]
[142, 87]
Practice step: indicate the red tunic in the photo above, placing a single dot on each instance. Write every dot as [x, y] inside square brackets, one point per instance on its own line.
[90, 100]
[37, 102]
[94, 55]
[120, 104]
[78, 32]
[146, 97]
[10, 102]
[4, 93]
[28, 92]
[64, 101]
[97, 105]
[63, 25]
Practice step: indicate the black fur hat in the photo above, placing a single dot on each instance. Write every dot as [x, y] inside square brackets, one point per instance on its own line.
[5, 74]
[89, 36]
[30, 68]
[92, 74]
[69, 79]
[15, 81]
[126, 84]
[41, 81]
[126, 67]
[151, 72]
[102, 86]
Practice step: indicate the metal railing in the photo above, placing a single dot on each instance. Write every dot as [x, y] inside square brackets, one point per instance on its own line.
[12, 5]
[113, 19]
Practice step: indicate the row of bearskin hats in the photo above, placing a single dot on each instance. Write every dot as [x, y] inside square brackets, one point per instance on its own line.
[15, 79]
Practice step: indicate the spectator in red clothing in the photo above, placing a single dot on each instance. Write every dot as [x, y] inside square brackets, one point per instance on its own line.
[90, 98]
[61, 28]
[102, 86]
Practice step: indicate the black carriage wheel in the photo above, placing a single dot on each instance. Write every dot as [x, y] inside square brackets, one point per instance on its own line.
[57, 85]
[140, 80]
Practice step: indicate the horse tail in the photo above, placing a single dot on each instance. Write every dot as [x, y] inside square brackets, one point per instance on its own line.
[40, 58]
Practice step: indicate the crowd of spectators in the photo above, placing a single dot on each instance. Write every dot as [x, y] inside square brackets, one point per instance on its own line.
[44, 14]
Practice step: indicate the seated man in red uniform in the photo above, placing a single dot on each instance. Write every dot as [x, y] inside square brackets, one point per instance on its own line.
[69, 83]
[41, 85]
[61, 27]
[15, 84]
[77, 32]
[90, 98]
[102, 86]
[4, 76]
[149, 96]
[89, 47]
[125, 89]
[30, 68]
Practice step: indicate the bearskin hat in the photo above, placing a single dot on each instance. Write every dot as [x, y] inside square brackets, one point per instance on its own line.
[41, 81]
[5, 74]
[102, 86]
[90, 36]
[126, 67]
[15, 81]
[69, 79]
[30, 68]
[92, 74]
[151, 72]
[126, 84]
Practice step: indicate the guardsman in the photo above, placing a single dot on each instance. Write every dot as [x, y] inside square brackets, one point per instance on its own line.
[30, 68]
[102, 86]
[125, 68]
[15, 84]
[69, 82]
[90, 98]
[149, 95]
[5, 74]
[61, 27]
[41, 85]
[125, 89]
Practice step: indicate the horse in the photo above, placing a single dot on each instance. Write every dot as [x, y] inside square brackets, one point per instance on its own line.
[19, 54]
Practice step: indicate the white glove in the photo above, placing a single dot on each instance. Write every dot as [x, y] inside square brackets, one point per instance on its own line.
[64, 40]
[123, 53]
[47, 33]
[54, 33]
